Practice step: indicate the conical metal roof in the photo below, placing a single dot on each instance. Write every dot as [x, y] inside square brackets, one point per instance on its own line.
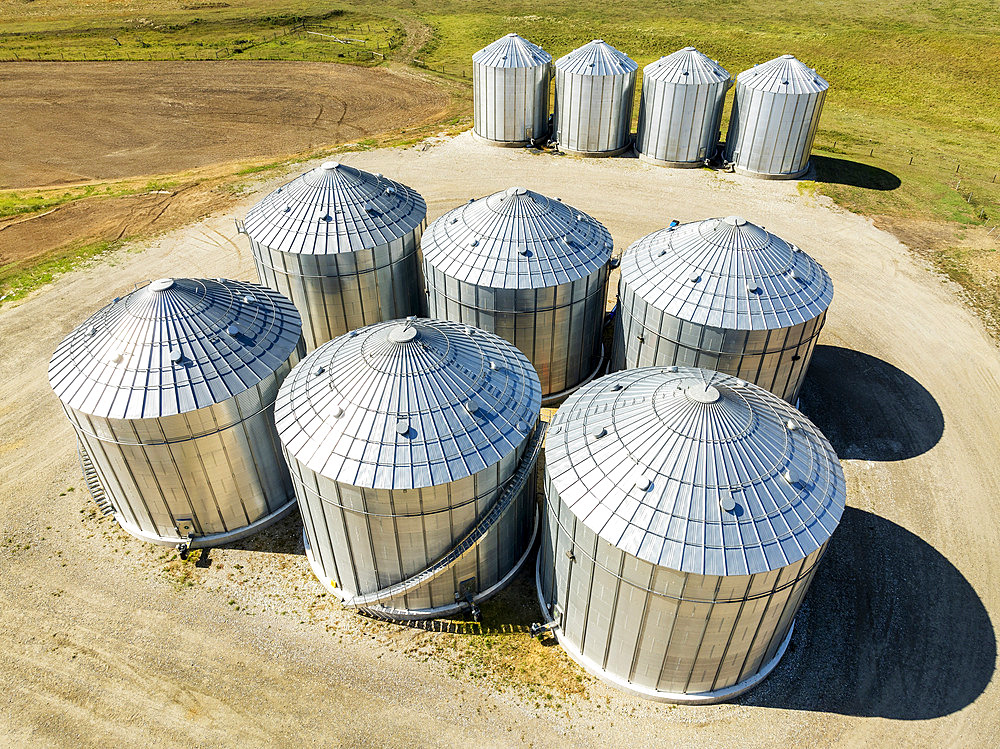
[512, 51]
[596, 58]
[174, 346]
[408, 404]
[727, 273]
[516, 239]
[335, 208]
[686, 66]
[696, 471]
[783, 75]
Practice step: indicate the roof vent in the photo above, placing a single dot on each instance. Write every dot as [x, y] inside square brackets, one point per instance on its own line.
[175, 355]
[233, 330]
[598, 431]
[727, 502]
[402, 427]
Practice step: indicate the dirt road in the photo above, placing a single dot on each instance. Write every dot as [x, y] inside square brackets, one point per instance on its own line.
[104, 639]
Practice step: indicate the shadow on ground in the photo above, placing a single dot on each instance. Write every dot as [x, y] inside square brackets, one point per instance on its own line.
[891, 629]
[868, 408]
[284, 537]
[854, 173]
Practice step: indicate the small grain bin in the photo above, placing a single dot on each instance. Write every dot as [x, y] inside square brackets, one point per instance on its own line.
[776, 111]
[510, 91]
[341, 243]
[686, 513]
[595, 85]
[681, 108]
[170, 391]
[412, 446]
[722, 294]
[529, 268]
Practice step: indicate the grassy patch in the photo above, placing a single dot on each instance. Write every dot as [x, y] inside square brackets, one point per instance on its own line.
[17, 280]
[249, 30]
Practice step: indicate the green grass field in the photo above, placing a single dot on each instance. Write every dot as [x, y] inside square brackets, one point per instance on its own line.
[911, 126]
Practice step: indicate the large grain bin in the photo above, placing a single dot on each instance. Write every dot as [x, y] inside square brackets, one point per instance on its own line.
[510, 91]
[171, 390]
[341, 243]
[686, 513]
[412, 446]
[722, 294]
[593, 105]
[776, 111]
[529, 268]
[680, 109]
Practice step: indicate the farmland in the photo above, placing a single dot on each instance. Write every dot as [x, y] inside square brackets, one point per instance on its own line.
[136, 131]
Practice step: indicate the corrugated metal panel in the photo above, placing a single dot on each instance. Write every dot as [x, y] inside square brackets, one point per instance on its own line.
[595, 85]
[721, 294]
[681, 107]
[686, 514]
[411, 446]
[727, 273]
[174, 346]
[650, 458]
[342, 245]
[596, 58]
[402, 405]
[335, 208]
[516, 239]
[528, 268]
[510, 80]
[776, 111]
[512, 51]
[171, 391]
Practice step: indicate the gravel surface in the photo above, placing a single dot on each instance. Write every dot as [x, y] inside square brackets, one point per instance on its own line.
[104, 639]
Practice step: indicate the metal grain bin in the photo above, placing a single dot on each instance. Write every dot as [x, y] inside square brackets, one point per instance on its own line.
[412, 446]
[775, 114]
[686, 513]
[681, 108]
[341, 243]
[595, 85]
[722, 294]
[529, 268]
[510, 91]
[171, 390]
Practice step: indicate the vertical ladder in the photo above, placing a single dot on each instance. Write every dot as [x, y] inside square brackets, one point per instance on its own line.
[93, 482]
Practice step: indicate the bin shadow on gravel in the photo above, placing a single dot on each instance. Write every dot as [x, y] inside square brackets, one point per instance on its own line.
[284, 537]
[868, 408]
[890, 629]
[846, 172]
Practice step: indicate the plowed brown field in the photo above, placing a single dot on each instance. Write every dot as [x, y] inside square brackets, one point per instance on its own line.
[76, 122]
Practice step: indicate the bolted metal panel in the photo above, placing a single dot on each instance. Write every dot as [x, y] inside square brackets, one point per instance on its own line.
[510, 84]
[171, 393]
[402, 438]
[341, 243]
[776, 110]
[686, 512]
[595, 85]
[680, 108]
[722, 294]
[529, 268]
